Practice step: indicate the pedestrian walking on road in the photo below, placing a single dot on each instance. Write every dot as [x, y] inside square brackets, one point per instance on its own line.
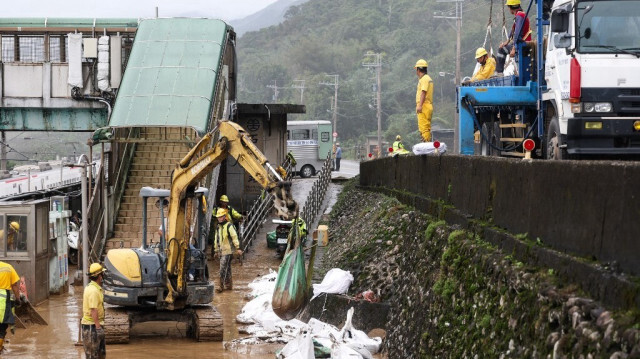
[225, 235]
[338, 156]
[424, 100]
[93, 315]
[9, 281]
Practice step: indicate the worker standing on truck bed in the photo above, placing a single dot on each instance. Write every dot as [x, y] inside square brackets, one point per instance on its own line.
[520, 31]
[424, 100]
[224, 236]
[93, 338]
[487, 65]
[9, 281]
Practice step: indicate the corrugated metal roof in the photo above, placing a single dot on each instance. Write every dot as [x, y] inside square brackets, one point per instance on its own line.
[68, 22]
[172, 74]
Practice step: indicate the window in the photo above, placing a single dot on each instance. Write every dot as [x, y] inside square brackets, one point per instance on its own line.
[324, 136]
[16, 234]
[314, 134]
[300, 135]
[608, 26]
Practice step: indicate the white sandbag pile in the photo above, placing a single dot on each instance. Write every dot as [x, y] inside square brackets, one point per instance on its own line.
[301, 338]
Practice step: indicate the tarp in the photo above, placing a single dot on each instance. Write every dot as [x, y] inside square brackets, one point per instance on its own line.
[75, 60]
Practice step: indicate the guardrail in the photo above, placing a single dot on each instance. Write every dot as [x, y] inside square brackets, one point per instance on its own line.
[261, 208]
[113, 172]
[313, 203]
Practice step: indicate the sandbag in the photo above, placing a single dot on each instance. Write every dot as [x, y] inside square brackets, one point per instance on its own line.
[336, 281]
[289, 296]
[424, 148]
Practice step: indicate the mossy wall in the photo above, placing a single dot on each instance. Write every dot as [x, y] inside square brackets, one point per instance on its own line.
[587, 208]
[453, 295]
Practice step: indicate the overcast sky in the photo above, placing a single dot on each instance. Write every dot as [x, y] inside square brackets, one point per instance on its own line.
[220, 9]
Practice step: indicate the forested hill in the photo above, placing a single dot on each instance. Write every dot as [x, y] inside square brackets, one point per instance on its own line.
[322, 37]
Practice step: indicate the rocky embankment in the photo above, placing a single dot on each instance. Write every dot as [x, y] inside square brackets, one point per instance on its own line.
[453, 295]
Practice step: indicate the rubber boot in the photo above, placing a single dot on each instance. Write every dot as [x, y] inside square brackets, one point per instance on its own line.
[219, 286]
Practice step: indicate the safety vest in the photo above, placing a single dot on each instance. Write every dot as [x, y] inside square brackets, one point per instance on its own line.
[397, 146]
[526, 30]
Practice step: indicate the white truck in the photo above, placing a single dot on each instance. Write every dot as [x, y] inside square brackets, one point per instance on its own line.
[588, 102]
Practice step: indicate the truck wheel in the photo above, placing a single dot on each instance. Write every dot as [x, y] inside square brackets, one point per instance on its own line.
[495, 139]
[307, 171]
[552, 148]
[485, 148]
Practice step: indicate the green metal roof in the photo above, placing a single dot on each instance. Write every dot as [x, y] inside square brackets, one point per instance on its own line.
[67, 22]
[172, 74]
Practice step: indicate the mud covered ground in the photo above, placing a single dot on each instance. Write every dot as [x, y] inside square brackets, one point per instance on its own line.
[157, 339]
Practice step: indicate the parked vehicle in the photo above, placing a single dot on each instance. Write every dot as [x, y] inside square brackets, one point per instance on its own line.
[310, 143]
[576, 94]
[282, 236]
[73, 238]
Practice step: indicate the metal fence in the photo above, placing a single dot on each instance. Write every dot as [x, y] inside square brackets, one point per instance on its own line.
[261, 208]
[313, 203]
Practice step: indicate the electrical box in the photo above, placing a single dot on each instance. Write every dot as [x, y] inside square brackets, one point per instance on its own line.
[90, 48]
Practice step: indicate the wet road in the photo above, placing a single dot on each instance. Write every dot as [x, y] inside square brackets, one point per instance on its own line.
[148, 340]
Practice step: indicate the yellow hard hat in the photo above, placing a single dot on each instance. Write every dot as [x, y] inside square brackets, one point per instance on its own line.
[15, 226]
[481, 51]
[95, 269]
[398, 138]
[512, 2]
[224, 198]
[421, 63]
[221, 212]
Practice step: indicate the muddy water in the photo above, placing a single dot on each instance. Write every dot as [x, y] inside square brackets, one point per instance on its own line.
[149, 340]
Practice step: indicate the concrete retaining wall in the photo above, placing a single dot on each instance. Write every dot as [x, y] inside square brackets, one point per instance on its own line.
[590, 209]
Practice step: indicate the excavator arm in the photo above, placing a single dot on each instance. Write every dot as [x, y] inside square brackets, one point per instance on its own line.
[190, 170]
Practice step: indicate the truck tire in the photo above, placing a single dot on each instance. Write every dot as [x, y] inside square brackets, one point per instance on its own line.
[553, 142]
[495, 139]
[307, 171]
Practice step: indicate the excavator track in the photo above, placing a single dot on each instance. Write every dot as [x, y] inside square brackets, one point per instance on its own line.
[116, 325]
[207, 324]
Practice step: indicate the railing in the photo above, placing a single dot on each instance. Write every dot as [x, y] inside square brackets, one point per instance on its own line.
[314, 200]
[261, 208]
[113, 172]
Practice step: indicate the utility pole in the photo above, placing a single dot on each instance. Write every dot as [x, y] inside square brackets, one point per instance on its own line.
[335, 101]
[275, 90]
[299, 84]
[458, 18]
[376, 64]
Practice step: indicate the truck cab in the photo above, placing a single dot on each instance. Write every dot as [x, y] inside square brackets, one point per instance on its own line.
[593, 78]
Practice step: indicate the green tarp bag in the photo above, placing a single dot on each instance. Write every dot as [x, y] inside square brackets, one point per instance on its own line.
[289, 296]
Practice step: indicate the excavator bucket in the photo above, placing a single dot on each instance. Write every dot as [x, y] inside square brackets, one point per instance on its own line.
[286, 207]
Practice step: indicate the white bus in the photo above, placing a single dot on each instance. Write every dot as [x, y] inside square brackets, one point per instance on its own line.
[310, 143]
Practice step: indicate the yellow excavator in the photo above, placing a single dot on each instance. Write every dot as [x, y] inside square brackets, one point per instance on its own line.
[168, 280]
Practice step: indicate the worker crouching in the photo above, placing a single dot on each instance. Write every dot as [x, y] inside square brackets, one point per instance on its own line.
[225, 236]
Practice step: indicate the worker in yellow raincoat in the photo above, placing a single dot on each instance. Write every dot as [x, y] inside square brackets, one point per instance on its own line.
[487, 65]
[424, 100]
